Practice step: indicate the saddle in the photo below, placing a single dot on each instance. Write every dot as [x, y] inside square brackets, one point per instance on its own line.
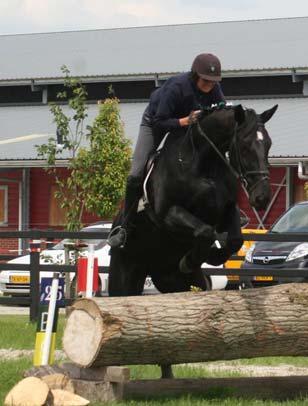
[153, 158]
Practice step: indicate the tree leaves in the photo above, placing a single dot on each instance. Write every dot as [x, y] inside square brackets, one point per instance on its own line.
[98, 172]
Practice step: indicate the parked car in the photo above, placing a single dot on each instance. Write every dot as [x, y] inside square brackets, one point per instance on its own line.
[234, 280]
[16, 283]
[279, 255]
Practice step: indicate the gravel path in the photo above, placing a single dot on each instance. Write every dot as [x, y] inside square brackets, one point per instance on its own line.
[11, 354]
[14, 310]
[253, 370]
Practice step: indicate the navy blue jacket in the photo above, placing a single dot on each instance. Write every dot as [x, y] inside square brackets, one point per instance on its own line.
[177, 98]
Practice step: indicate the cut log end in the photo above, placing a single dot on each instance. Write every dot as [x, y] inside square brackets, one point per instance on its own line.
[83, 335]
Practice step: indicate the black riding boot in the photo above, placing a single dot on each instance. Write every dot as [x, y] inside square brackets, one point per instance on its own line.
[118, 235]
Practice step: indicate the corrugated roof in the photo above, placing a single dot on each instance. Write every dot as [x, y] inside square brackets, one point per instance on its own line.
[24, 127]
[241, 45]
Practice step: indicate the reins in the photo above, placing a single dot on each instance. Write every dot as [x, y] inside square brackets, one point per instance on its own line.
[241, 174]
[201, 132]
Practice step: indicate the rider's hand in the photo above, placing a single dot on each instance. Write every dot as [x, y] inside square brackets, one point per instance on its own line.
[191, 119]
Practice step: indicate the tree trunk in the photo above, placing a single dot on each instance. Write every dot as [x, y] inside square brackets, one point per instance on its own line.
[189, 327]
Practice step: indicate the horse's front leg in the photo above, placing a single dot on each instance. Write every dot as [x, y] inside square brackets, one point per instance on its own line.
[180, 220]
[234, 239]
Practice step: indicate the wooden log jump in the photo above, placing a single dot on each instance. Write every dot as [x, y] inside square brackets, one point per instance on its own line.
[107, 384]
[188, 327]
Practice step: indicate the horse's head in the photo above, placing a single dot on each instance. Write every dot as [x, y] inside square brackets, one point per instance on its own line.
[249, 153]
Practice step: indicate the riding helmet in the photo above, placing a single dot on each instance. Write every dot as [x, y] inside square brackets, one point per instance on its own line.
[207, 66]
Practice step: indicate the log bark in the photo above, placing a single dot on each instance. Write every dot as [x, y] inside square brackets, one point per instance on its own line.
[189, 327]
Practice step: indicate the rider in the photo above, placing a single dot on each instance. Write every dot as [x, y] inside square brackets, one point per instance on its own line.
[174, 105]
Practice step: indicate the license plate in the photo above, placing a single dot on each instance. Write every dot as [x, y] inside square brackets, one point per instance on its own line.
[19, 279]
[233, 277]
[263, 278]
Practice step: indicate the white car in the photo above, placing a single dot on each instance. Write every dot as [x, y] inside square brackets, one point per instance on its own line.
[17, 283]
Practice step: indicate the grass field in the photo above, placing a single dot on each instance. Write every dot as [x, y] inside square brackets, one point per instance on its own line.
[17, 333]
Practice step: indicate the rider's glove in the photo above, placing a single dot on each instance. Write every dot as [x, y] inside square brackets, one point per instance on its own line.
[193, 117]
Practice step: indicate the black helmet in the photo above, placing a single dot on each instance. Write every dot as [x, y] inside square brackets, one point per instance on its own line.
[207, 66]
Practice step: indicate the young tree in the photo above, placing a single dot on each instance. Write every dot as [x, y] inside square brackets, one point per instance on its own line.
[101, 170]
[96, 173]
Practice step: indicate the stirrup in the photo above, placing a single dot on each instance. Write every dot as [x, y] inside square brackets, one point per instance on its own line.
[117, 237]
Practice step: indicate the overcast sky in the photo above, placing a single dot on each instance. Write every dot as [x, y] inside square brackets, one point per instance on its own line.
[27, 16]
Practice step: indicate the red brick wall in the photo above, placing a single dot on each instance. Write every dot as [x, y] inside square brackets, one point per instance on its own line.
[40, 185]
[40, 188]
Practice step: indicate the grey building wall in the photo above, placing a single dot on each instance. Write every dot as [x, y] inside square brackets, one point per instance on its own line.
[24, 127]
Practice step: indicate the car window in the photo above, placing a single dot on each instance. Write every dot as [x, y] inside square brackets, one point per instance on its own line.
[293, 221]
[97, 243]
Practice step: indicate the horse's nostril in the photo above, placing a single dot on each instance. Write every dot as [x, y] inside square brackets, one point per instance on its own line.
[260, 198]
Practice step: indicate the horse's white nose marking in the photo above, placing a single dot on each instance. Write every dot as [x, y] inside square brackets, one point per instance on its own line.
[260, 136]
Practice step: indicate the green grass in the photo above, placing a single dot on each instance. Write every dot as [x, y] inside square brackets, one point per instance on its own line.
[10, 373]
[154, 372]
[18, 333]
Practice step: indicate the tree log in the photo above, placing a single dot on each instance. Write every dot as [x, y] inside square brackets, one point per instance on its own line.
[189, 327]
[29, 391]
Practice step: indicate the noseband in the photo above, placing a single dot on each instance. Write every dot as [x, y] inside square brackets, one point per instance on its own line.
[239, 173]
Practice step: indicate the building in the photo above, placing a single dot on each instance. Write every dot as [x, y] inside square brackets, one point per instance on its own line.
[264, 62]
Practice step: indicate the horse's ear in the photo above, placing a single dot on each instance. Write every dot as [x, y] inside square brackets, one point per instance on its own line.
[268, 114]
[239, 114]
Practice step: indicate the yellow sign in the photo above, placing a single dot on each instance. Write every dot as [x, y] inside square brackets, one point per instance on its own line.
[38, 350]
[41, 334]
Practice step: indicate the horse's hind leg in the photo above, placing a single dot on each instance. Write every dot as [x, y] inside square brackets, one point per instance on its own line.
[181, 220]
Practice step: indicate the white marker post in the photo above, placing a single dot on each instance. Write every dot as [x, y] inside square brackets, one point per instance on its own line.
[90, 271]
[50, 318]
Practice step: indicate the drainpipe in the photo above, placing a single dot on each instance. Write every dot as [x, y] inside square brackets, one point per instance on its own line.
[289, 187]
[23, 244]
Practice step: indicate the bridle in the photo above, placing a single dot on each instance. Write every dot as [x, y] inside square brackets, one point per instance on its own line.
[240, 173]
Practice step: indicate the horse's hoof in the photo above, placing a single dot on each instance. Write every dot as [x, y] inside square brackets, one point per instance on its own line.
[183, 266]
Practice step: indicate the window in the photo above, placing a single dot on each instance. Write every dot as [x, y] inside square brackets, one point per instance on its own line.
[3, 205]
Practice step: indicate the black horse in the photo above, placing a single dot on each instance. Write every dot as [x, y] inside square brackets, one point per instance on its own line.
[192, 195]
